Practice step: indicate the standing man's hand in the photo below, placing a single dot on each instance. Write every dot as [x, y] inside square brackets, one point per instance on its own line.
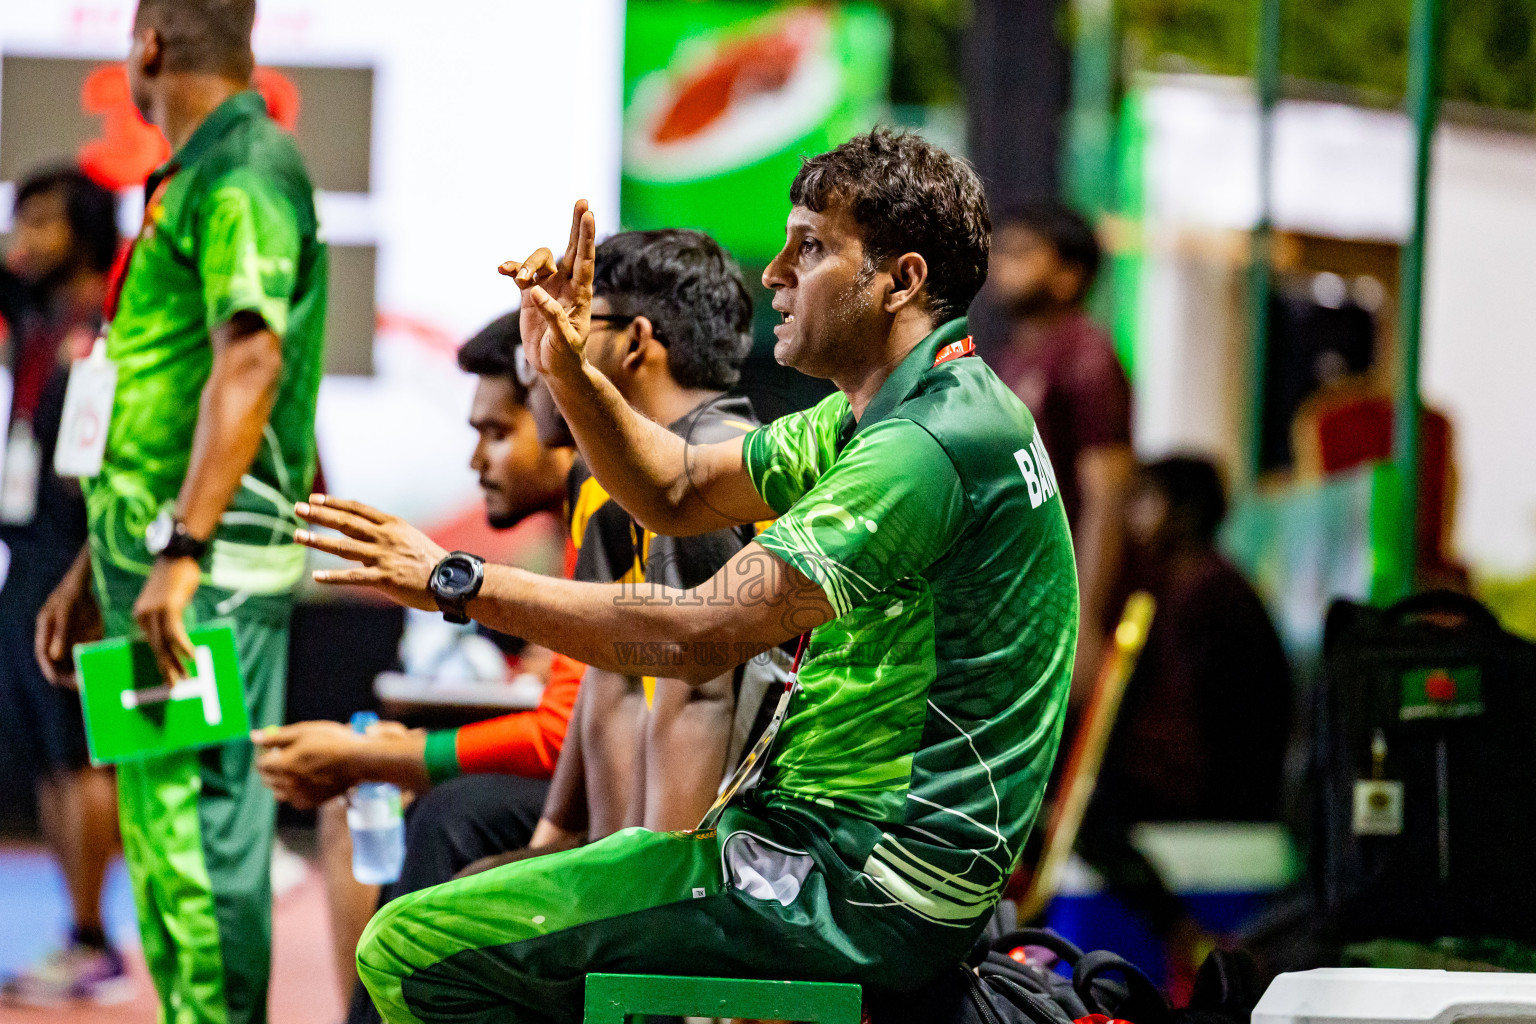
[557, 299]
[70, 616]
[159, 610]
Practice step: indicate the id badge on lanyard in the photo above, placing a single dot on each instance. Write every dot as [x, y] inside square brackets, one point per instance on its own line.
[87, 414]
[93, 380]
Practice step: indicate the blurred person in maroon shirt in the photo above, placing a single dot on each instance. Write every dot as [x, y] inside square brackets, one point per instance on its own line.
[1203, 726]
[1063, 366]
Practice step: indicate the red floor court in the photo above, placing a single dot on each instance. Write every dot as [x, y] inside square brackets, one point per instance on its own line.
[303, 986]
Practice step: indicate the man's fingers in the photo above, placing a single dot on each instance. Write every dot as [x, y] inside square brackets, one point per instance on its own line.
[357, 551]
[578, 215]
[536, 269]
[354, 526]
[274, 737]
[177, 640]
[357, 508]
[366, 577]
[155, 632]
[555, 315]
[581, 268]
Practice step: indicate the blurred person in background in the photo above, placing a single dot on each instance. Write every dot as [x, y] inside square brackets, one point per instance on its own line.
[505, 762]
[1063, 366]
[216, 337]
[63, 243]
[1204, 723]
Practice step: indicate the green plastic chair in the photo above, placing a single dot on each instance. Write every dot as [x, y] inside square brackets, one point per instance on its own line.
[618, 998]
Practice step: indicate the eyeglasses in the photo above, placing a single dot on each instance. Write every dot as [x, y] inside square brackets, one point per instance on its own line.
[615, 321]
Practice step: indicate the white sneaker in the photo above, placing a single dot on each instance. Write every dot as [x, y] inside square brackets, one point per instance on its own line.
[77, 973]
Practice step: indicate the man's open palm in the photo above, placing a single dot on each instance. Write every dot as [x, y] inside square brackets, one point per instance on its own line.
[557, 298]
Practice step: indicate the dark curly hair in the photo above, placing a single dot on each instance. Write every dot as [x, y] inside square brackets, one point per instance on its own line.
[909, 196]
[690, 290]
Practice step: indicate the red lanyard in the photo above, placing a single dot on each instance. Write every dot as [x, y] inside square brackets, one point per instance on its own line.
[120, 266]
[956, 350]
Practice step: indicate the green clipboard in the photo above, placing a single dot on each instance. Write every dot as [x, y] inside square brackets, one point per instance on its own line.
[130, 711]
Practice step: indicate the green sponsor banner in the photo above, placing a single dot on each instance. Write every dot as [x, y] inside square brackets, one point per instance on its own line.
[722, 100]
[1442, 693]
[131, 712]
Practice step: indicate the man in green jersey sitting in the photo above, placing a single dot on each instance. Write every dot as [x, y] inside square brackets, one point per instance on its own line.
[919, 538]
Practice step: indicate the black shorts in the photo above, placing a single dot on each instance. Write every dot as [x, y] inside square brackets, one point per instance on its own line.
[41, 728]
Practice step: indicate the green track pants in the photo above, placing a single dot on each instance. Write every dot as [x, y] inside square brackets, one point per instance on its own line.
[197, 833]
[514, 944]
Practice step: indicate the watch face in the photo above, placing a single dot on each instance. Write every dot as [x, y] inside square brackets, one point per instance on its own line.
[158, 534]
[454, 576]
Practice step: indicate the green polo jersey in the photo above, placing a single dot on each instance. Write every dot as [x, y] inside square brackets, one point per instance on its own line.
[229, 228]
[933, 703]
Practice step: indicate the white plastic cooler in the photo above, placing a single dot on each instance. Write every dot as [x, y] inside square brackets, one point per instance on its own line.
[1377, 996]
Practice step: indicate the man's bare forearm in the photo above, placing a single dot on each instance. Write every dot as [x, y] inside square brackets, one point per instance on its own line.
[400, 759]
[754, 603]
[236, 404]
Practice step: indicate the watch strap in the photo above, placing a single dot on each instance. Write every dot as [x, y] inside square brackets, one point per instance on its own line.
[183, 545]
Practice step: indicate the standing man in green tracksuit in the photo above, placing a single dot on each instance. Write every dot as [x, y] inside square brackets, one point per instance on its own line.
[216, 337]
[921, 542]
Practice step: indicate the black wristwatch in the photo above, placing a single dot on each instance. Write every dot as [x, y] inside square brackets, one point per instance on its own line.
[455, 582]
[167, 537]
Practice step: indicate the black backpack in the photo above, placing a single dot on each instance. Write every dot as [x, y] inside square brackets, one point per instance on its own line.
[1424, 752]
[996, 989]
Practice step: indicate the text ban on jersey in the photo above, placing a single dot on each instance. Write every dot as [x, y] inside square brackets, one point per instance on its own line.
[1039, 476]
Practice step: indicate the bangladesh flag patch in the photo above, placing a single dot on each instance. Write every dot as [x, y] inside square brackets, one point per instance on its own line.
[1442, 693]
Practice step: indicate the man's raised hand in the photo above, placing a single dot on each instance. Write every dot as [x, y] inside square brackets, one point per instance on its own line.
[394, 557]
[557, 298]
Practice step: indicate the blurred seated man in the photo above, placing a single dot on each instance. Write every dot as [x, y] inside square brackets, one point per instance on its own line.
[506, 761]
[1202, 730]
[1063, 365]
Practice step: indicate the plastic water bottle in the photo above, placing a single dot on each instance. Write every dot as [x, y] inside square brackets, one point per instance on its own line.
[376, 822]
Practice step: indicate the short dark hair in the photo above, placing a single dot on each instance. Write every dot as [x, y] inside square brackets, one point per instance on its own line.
[493, 353]
[90, 208]
[1068, 231]
[203, 35]
[693, 294]
[1193, 487]
[909, 196]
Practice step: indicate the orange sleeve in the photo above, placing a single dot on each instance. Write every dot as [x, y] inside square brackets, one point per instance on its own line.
[527, 743]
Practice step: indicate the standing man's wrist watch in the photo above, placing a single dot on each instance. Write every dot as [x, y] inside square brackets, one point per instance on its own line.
[167, 537]
[455, 582]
